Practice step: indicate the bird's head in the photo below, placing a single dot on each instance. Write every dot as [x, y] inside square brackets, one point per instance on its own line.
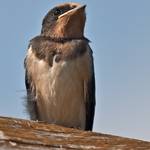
[65, 21]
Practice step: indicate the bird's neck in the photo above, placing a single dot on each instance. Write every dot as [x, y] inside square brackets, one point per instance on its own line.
[55, 35]
[63, 39]
[61, 32]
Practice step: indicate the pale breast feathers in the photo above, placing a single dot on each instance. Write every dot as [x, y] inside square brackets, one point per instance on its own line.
[59, 67]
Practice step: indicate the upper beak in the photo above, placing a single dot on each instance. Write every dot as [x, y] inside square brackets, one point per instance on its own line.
[73, 11]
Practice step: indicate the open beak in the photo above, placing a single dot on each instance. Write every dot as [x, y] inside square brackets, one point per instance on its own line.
[79, 9]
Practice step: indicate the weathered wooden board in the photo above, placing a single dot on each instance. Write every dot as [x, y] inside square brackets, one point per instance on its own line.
[18, 134]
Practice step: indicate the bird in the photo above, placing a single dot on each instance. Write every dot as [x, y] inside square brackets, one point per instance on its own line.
[59, 70]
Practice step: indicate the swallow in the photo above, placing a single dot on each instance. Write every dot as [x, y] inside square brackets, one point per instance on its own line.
[59, 70]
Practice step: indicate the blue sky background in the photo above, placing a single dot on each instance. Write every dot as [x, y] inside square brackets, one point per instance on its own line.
[120, 35]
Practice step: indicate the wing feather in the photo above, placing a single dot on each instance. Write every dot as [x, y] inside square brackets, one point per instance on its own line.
[31, 104]
[90, 98]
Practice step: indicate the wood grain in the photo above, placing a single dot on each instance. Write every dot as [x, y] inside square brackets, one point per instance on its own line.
[18, 134]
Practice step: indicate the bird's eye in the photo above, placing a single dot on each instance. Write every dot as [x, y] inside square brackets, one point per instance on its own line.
[57, 12]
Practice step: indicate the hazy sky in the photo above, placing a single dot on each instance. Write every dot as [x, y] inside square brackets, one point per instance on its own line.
[120, 35]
